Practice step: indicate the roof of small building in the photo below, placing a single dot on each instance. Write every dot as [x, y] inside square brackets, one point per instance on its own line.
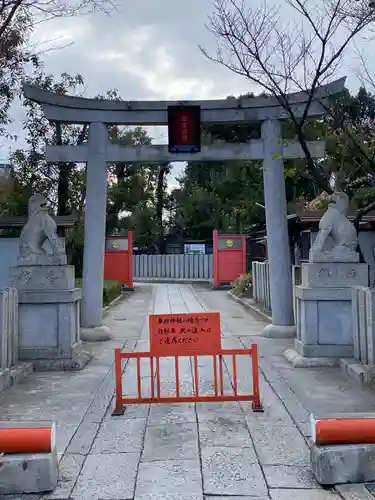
[316, 215]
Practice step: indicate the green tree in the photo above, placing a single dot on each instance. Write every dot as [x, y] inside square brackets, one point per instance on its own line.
[144, 226]
[18, 20]
[130, 185]
[220, 196]
[229, 195]
[14, 57]
[61, 184]
[351, 148]
[198, 212]
[161, 201]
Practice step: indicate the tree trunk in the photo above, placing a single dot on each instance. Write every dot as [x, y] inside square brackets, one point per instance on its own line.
[63, 189]
[64, 175]
[319, 176]
[62, 184]
[160, 206]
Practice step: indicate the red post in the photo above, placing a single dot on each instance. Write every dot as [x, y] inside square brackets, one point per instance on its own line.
[139, 378]
[336, 431]
[130, 260]
[158, 384]
[196, 376]
[28, 439]
[235, 385]
[257, 405]
[216, 259]
[221, 374]
[244, 254]
[215, 375]
[119, 408]
[177, 370]
[152, 377]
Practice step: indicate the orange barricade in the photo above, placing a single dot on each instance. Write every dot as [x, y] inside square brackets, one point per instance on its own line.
[186, 335]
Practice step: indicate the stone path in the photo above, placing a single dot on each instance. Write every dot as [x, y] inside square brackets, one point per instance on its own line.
[186, 451]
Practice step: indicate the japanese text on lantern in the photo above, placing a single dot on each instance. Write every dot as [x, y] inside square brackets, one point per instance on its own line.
[184, 127]
[185, 334]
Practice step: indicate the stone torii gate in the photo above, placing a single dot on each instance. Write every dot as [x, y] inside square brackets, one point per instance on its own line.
[98, 152]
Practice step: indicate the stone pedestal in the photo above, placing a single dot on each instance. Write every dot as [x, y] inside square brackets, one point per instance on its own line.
[49, 317]
[28, 473]
[324, 312]
[340, 464]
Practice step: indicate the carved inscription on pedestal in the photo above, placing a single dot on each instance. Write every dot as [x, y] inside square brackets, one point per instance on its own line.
[24, 277]
[43, 278]
[336, 273]
[51, 277]
[325, 272]
[352, 274]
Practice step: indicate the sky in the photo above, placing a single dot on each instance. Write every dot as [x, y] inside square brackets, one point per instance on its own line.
[148, 50]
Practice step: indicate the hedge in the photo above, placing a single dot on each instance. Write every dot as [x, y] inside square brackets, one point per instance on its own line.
[111, 290]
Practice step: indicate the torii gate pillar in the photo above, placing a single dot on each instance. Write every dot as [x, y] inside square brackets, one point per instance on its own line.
[277, 233]
[94, 243]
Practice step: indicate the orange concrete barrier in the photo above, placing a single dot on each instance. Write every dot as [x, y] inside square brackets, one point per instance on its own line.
[343, 431]
[28, 440]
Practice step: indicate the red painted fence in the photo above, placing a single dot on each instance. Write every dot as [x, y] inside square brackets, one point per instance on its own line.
[229, 258]
[118, 259]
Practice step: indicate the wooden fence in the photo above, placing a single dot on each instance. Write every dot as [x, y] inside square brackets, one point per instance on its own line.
[173, 267]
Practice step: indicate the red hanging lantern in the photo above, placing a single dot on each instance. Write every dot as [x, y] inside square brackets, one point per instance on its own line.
[184, 129]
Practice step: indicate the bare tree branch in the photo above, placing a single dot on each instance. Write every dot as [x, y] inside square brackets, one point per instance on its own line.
[363, 73]
[281, 56]
[18, 19]
[362, 212]
[48, 9]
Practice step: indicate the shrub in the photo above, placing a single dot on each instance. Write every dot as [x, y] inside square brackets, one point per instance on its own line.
[111, 290]
[242, 286]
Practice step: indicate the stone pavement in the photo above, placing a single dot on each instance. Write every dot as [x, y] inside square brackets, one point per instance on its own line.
[185, 451]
